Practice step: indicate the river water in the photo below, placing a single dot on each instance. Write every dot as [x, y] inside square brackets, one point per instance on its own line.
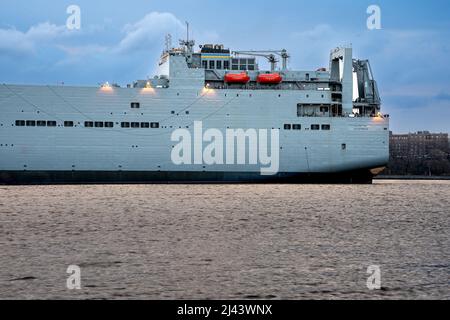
[226, 241]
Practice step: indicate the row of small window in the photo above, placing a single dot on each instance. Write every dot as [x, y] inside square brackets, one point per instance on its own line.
[144, 125]
[243, 61]
[135, 125]
[292, 127]
[87, 124]
[216, 64]
[243, 64]
[314, 127]
[98, 124]
[34, 123]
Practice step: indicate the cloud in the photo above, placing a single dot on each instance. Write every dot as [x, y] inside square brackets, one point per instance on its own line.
[315, 33]
[148, 32]
[443, 96]
[46, 31]
[85, 50]
[418, 90]
[95, 50]
[313, 46]
[15, 42]
[142, 36]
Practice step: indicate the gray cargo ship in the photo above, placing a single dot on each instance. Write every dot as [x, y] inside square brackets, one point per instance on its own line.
[328, 124]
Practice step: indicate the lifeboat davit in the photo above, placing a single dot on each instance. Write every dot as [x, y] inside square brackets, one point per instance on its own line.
[270, 78]
[237, 78]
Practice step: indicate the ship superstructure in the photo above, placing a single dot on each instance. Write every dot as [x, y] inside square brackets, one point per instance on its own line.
[329, 121]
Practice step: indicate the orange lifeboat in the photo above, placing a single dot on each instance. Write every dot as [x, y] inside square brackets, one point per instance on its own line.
[237, 78]
[270, 78]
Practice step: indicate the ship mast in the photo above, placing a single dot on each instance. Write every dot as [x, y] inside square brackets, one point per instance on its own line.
[189, 44]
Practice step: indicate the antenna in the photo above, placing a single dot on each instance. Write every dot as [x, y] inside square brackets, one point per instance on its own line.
[187, 31]
[168, 42]
[189, 44]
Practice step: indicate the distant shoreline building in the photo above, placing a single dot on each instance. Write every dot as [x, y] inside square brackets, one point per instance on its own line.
[419, 153]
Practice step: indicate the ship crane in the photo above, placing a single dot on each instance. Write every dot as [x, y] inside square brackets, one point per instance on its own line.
[270, 55]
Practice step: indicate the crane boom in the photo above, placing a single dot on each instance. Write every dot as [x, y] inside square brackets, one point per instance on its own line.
[270, 55]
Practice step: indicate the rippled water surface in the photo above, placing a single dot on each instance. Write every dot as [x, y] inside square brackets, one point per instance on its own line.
[226, 242]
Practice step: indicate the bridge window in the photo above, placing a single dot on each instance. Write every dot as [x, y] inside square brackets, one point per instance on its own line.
[219, 65]
[20, 123]
[226, 65]
[205, 64]
[212, 64]
[31, 123]
[41, 123]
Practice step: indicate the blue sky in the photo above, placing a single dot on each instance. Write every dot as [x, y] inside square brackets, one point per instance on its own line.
[120, 41]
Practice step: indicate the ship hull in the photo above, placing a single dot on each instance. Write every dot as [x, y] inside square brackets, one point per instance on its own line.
[362, 176]
[79, 154]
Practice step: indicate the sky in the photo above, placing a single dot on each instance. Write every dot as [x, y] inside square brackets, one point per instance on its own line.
[120, 41]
